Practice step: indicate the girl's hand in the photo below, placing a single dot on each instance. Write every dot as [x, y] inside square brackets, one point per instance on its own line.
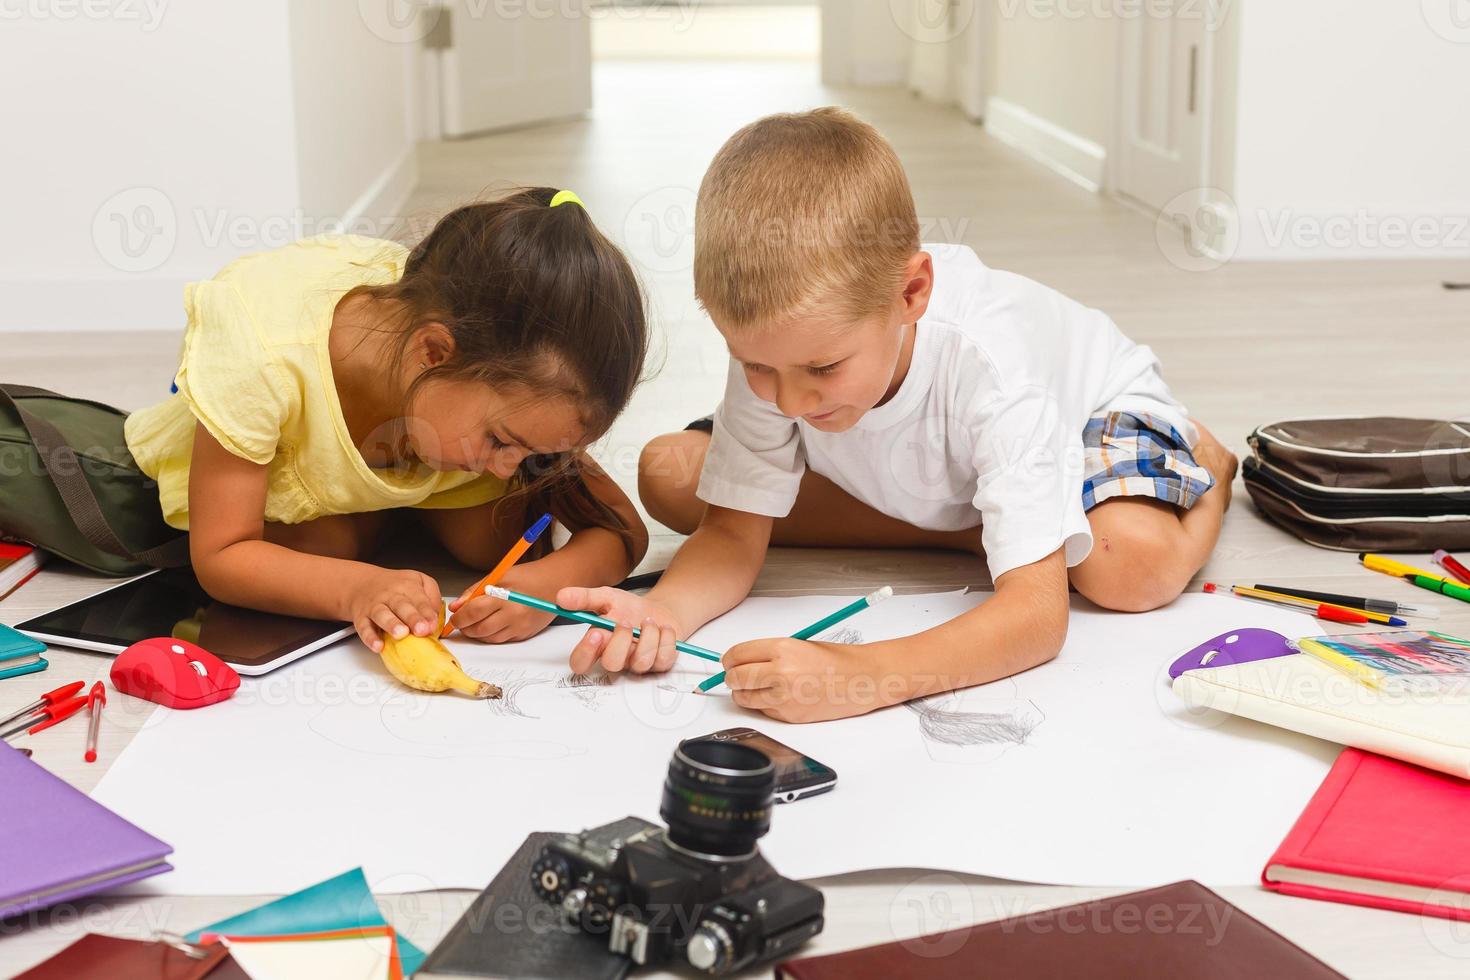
[653, 650]
[801, 680]
[491, 620]
[395, 602]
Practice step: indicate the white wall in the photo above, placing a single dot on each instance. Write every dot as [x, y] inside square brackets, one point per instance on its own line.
[1352, 131]
[147, 144]
[354, 112]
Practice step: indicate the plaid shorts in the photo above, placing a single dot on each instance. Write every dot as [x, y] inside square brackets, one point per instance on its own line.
[1139, 455]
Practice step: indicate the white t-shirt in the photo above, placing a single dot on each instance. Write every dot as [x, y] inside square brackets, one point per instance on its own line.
[987, 423]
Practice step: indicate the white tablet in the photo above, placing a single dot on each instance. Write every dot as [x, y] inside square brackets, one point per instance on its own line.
[172, 603]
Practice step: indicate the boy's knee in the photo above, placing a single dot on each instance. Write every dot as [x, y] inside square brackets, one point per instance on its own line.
[668, 473]
[1132, 572]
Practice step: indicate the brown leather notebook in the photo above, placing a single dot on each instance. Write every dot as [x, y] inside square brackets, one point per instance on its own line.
[1178, 930]
[134, 959]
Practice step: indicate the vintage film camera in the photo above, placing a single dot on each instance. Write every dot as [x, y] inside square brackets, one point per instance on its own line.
[699, 891]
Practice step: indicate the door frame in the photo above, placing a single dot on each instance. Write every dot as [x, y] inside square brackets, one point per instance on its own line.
[1215, 95]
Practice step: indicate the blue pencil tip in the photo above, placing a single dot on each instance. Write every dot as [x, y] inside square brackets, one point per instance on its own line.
[541, 525]
[1395, 621]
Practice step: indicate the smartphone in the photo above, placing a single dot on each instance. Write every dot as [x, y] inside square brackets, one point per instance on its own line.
[797, 776]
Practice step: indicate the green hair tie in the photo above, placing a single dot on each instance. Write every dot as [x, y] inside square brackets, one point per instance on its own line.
[562, 197]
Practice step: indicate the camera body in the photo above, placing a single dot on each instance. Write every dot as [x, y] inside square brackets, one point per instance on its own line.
[656, 900]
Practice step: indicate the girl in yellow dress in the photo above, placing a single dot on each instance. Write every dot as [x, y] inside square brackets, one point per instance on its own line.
[339, 384]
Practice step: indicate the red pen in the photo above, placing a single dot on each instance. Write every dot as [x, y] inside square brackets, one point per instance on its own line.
[96, 699]
[1449, 564]
[45, 701]
[53, 714]
[1338, 615]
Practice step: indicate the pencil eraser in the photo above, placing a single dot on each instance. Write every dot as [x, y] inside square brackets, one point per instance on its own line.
[91, 755]
[1440, 554]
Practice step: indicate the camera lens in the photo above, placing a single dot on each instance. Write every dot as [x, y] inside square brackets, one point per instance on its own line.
[718, 797]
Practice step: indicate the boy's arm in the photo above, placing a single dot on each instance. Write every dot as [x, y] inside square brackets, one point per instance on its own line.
[711, 573]
[1021, 626]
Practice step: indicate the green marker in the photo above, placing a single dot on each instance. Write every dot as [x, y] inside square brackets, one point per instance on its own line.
[591, 619]
[1441, 585]
[710, 683]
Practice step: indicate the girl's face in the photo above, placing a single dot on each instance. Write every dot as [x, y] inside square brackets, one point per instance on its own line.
[470, 426]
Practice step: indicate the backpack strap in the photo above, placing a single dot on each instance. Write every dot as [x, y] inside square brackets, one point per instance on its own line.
[65, 470]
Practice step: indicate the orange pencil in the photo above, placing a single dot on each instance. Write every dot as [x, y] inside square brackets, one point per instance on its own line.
[498, 572]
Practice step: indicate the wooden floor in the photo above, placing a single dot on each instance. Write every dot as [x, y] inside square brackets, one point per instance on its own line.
[1241, 345]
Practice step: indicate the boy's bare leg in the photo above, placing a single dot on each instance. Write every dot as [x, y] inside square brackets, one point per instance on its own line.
[824, 516]
[1145, 551]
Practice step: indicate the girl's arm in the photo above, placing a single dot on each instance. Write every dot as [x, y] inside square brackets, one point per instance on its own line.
[235, 563]
[592, 556]
[1020, 627]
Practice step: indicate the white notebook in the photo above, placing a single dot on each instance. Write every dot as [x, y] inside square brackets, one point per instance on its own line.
[1300, 693]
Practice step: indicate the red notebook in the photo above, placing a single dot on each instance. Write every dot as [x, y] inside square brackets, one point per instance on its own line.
[1382, 833]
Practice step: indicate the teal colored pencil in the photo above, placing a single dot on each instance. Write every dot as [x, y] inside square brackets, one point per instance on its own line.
[821, 625]
[591, 619]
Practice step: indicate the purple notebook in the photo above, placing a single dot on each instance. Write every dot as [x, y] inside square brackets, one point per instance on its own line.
[57, 843]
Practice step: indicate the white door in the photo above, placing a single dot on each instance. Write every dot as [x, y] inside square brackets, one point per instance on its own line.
[1162, 103]
[508, 64]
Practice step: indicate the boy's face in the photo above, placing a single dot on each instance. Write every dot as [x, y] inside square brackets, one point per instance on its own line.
[830, 371]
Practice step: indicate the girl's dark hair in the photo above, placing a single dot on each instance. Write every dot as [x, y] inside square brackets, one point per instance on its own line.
[537, 297]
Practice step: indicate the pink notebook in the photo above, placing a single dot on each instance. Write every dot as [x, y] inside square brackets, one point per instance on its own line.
[1383, 833]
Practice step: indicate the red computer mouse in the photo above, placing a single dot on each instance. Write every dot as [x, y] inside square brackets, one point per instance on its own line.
[173, 672]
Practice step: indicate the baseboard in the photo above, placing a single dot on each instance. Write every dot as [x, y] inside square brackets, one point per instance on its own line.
[1079, 160]
[156, 302]
[380, 206]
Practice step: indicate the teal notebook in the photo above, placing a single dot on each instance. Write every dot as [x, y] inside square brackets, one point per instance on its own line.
[343, 902]
[19, 654]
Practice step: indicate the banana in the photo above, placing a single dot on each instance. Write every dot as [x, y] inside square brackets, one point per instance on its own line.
[425, 664]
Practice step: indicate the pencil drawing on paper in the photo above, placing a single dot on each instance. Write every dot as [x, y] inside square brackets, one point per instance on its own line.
[939, 723]
[511, 685]
[586, 688]
[842, 634]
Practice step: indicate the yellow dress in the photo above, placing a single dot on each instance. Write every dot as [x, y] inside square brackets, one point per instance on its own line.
[257, 373]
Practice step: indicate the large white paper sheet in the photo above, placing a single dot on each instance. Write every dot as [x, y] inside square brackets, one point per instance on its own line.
[1086, 770]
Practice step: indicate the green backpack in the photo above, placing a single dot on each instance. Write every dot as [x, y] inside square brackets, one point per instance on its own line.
[69, 485]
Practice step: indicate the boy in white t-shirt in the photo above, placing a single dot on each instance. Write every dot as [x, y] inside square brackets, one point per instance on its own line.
[884, 393]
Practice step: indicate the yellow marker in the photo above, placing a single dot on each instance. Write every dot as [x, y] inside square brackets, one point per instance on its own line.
[1379, 563]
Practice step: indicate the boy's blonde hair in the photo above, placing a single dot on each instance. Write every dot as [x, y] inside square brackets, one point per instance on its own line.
[801, 209]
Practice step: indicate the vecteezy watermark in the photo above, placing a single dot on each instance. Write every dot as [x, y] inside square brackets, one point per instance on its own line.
[147, 14]
[411, 21]
[932, 21]
[1198, 230]
[658, 229]
[1362, 230]
[1450, 19]
[929, 912]
[135, 230]
[1213, 12]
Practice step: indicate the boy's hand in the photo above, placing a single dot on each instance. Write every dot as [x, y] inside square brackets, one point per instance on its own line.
[619, 650]
[491, 620]
[801, 680]
[395, 602]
